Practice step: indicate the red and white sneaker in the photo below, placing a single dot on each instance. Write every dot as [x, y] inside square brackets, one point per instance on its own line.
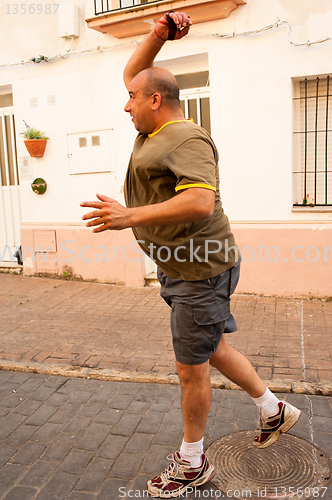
[179, 476]
[272, 427]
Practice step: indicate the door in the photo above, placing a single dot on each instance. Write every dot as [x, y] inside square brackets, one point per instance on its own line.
[10, 213]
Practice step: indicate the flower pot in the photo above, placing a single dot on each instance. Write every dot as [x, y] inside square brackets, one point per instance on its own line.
[35, 147]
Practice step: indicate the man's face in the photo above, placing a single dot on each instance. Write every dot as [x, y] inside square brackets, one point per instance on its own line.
[139, 107]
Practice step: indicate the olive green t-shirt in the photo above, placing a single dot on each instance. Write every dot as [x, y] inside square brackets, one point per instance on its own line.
[178, 156]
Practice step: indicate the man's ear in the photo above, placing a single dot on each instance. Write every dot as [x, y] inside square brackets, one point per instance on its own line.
[156, 101]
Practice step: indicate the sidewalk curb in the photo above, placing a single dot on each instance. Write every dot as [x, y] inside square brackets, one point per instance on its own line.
[217, 381]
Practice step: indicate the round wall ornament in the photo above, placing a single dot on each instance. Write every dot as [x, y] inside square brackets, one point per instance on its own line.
[39, 186]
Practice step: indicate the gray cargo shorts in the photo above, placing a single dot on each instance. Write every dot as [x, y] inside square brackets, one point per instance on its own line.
[200, 313]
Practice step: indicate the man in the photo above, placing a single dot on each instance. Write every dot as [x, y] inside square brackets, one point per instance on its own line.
[174, 208]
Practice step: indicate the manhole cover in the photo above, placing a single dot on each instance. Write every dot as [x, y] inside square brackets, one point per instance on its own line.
[290, 468]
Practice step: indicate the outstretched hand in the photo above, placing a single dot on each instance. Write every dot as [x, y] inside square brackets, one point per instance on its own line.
[167, 31]
[107, 214]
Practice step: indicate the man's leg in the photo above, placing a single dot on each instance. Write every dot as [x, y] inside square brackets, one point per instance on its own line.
[196, 399]
[238, 369]
[189, 467]
[276, 416]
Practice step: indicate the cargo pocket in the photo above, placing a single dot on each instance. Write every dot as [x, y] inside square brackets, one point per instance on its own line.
[211, 314]
[213, 318]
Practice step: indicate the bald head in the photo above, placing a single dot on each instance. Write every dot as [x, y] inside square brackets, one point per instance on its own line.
[160, 80]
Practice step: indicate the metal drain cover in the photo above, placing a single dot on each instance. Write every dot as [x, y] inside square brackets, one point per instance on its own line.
[290, 468]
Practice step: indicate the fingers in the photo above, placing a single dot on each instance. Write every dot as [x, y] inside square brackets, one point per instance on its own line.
[105, 200]
[109, 214]
[97, 204]
[169, 31]
[100, 220]
[97, 222]
[92, 204]
[104, 227]
[93, 215]
[184, 32]
[181, 19]
[102, 197]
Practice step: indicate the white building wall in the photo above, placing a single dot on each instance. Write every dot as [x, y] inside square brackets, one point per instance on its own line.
[252, 108]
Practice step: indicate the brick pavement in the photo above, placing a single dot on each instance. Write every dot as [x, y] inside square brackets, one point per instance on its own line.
[57, 322]
[78, 439]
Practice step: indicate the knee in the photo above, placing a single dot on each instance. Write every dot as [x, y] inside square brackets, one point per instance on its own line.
[184, 374]
[193, 374]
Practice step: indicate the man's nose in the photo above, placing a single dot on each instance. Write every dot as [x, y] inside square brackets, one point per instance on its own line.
[127, 107]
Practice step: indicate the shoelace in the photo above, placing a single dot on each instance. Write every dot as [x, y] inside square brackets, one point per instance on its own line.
[173, 468]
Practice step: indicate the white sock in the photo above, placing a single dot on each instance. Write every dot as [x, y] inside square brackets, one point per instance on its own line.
[192, 452]
[267, 404]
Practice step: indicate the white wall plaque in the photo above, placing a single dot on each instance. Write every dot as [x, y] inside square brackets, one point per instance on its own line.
[25, 168]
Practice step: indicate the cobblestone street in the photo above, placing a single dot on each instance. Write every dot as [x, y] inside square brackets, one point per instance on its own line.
[89, 399]
[127, 329]
[80, 439]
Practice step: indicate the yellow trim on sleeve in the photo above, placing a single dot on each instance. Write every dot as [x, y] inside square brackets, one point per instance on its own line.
[168, 123]
[186, 186]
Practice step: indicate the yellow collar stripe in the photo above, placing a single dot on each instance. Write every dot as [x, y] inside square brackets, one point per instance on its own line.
[168, 123]
[197, 185]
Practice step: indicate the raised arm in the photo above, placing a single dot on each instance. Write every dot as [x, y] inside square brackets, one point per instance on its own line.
[146, 52]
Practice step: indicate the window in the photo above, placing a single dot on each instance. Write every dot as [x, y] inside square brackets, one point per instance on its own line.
[195, 97]
[313, 143]
[6, 100]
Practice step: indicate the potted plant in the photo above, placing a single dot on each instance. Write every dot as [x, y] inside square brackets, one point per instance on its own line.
[35, 141]
[305, 200]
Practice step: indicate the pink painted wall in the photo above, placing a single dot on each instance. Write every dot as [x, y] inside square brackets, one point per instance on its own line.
[76, 251]
[304, 266]
[285, 259]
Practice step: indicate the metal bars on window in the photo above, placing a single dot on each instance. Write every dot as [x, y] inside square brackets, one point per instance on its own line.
[105, 6]
[313, 143]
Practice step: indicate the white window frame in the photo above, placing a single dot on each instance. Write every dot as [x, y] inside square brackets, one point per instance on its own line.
[196, 93]
[307, 151]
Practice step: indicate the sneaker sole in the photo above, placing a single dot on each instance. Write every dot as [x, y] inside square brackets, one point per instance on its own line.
[209, 474]
[286, 426]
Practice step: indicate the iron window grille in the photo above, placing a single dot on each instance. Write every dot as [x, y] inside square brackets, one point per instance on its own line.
[105, 6]
[313, 143]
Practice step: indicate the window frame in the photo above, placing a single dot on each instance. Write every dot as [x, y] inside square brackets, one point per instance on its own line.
[195, 93]
[304, 138]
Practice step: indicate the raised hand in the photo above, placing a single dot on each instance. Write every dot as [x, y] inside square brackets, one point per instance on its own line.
[173, 26]
[107, 214]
